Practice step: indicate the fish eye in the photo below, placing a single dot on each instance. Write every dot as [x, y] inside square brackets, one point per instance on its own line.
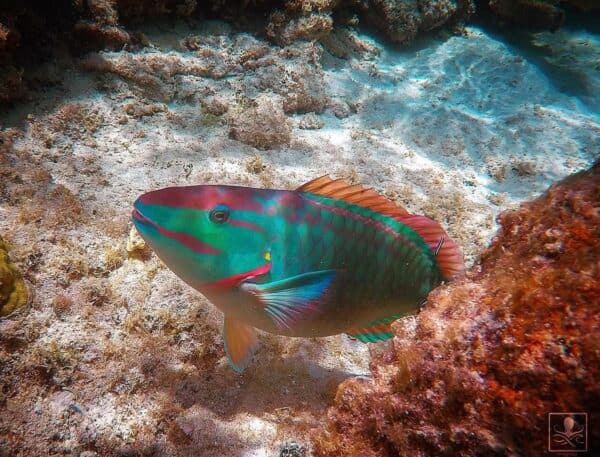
[219, 215]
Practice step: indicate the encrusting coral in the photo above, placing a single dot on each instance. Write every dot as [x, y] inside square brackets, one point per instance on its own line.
[490, 355]
[13, 292]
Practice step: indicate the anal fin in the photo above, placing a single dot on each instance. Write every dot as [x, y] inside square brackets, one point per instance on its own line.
[241, 342]
[377, 330]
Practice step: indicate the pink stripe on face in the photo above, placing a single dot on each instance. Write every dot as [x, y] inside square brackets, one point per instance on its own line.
[183, 238]
[234, 280]
[188, 241]
[245, 224]
[205, 197]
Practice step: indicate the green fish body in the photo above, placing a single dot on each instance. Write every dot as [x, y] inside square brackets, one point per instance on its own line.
[324, 259]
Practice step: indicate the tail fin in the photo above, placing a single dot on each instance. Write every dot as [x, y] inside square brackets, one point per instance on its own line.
[448, 254]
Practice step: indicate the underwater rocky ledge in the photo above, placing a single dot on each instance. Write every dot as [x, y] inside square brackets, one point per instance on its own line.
[29, 29]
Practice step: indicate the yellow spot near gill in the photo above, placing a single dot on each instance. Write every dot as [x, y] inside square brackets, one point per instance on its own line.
[268, 256]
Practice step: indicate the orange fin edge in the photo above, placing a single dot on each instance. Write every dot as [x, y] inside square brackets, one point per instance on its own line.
[355, 194]
[448, 254]
[372, 334]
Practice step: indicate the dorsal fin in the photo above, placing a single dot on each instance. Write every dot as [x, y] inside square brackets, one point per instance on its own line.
[354, 194]
[448, 254]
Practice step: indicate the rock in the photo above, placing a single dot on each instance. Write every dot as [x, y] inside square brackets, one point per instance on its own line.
[310, 122]
[490, 355]
[532, 14]
[285, 31]
[135, 242]
[344, 42]
[402, 20]
[217, 106]
[263, 126]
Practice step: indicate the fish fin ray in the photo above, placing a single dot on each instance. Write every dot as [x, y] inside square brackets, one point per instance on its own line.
[293, 299]
[449, 255]
[241, 342]
[354, 194]
[377, 330]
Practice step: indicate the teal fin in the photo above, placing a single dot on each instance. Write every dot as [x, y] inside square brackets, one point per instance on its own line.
[377, 330]
[290, 300]
[241, 342]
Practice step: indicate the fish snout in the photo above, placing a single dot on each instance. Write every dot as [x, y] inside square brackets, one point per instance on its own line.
[137, 214]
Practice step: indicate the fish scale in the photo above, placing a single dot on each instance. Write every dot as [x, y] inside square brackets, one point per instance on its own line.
[325, 259]
[362, 248]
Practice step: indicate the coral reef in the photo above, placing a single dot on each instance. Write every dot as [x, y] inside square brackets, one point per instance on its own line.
[13, 292]
[535, 14]
[285, 30]
[87, 25]
[489, 356]
[100, 24]
[293, 72]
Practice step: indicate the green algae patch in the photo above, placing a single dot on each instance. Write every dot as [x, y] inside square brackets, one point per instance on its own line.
[13, 292]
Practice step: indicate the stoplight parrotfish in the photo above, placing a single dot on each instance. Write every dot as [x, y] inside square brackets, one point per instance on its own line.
[326, 258]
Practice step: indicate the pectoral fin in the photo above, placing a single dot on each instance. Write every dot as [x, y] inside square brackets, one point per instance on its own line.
[241, 343]
[292, 299]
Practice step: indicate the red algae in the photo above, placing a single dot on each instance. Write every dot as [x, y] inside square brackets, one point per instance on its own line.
[492, 353]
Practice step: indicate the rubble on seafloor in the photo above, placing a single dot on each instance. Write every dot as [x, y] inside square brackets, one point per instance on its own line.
[490, 355]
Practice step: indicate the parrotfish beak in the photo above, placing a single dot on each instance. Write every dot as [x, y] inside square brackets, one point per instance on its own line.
[139, 219]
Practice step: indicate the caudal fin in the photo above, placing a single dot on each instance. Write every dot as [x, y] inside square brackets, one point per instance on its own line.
[448, 254]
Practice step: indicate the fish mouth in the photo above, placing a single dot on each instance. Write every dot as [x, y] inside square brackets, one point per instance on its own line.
[139, 217]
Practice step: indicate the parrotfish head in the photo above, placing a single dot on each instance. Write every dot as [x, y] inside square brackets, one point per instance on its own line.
[210, 236]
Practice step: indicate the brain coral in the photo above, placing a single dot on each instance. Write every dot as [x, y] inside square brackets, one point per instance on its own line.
[490, 355]
[13, 293]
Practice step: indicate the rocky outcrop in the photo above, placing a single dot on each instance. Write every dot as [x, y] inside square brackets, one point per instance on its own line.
[531, 14]
[401, 21]
[490, 355]
[535, 14]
